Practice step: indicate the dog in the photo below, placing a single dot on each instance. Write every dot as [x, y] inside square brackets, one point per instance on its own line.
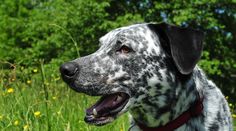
[150, 70]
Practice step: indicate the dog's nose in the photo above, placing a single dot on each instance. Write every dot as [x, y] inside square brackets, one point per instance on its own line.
[69, 69]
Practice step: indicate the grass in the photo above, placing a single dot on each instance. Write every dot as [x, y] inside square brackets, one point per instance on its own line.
[33, 100]
[234, 124]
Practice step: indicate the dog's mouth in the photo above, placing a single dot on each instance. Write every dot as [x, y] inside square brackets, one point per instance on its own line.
[106, 109]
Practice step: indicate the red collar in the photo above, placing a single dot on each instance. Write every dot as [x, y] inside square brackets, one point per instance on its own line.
[193, 111]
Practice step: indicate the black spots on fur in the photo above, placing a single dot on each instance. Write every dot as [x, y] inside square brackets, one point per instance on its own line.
[153, 51]
[214, 126]
[158, 59]
[149, 102]
[153, 37]
[148, 87]
[149, 74]
[158, 74]
[219, 118]
[162, 111]
[144, 81]
[136, 93]
[211, 87]
[190, 88]
[162, 65]
[139, 114]
[158, 86]
[225, 108]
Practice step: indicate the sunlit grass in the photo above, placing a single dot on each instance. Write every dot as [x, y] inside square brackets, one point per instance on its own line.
[24, 107]
[234, 124]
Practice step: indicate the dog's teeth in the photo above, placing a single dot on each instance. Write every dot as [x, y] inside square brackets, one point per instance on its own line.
[118, 98]
[95, 112]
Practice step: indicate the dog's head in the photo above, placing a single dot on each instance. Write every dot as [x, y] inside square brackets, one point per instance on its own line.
[130, 63]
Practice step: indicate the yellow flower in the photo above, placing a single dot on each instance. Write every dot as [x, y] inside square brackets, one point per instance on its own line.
[37, 114]
[26, 127]
[10, 90]
[35, 70]
[28, 81]
[121, 129]
[54, 97]
[16, 123]
[234, 115]
[230, 104]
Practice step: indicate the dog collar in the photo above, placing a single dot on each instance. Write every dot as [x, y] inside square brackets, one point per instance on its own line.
[194, 111]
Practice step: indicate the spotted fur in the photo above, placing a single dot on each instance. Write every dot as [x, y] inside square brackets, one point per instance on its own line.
[158, 91]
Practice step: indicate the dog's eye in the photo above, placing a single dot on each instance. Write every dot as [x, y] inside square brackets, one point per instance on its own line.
[124, 49]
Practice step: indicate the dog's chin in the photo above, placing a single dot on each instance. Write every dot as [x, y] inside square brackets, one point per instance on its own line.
[107, 108]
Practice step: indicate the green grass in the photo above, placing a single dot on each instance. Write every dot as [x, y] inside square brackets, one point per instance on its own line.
[234, 121]
[61, 109]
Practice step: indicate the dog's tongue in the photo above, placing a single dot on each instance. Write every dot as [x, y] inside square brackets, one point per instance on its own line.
[107, 105]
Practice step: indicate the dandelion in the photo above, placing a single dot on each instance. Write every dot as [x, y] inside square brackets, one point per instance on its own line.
[16, 123]
[1, 117]
[10, 90]
[26, 127]
[35, 70]
[37, 114]
[28, 81]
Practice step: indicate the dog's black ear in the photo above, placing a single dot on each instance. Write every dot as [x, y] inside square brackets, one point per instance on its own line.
[185, 45]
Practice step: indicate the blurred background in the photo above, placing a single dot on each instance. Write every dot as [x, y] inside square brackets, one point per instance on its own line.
[36, 36]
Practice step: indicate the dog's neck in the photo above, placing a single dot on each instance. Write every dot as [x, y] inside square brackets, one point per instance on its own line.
[165, 102]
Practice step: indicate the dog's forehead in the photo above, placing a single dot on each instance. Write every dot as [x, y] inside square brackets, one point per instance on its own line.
[139, 36]
[123, 31]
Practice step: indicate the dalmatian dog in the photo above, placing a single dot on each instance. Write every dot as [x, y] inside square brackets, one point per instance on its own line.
[150, 70]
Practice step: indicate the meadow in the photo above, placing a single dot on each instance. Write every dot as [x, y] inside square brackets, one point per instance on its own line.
[38, 102]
